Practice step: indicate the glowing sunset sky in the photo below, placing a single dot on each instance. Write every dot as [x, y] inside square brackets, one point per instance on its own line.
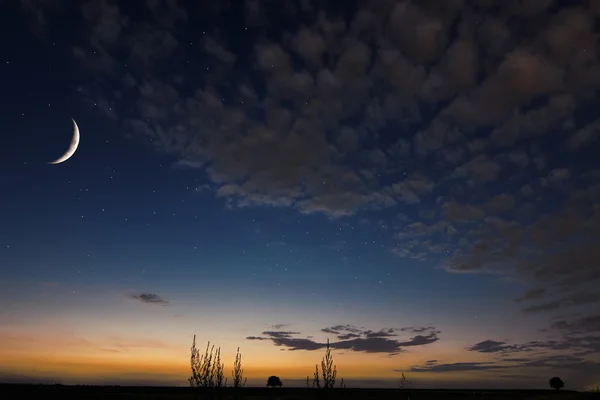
[417, 182]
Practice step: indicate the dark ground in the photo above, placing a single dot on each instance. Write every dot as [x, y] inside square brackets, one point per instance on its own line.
[21, 392]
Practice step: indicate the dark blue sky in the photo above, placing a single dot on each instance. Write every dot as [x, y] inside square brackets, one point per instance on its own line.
[390, 166]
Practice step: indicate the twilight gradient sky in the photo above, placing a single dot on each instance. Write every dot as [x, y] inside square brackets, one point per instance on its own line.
[416, 181]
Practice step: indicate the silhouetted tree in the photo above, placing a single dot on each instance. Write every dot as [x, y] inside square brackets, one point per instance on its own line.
[557, 383]
[307, 380]
[274, 381]
[238, 373]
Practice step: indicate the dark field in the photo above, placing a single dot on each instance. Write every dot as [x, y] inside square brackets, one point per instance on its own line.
[12, 391]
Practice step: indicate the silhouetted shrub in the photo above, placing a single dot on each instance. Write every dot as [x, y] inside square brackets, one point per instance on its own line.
[557, 383]
[218, 370]
[207, 369]
[274, 381]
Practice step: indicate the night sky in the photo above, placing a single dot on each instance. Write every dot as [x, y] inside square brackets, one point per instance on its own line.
[417, 182]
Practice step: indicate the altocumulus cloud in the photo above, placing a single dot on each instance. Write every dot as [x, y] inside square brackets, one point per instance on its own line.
[381, 110]
[353, 339]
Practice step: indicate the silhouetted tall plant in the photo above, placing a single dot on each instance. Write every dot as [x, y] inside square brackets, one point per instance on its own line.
[218, 371]
[316, 382]
[238, 373]
[404, 382]
[329, 370]
[205, 373]
[307, 381]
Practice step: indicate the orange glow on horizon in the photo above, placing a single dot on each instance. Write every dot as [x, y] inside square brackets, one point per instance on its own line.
[75, 360]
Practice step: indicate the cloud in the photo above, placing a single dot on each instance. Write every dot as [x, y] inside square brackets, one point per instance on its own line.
[556, 251]
[149, 298]
[585, 135]
[490, 346]
[341, 69]
[353, 338]
[480, 168]
[417, 329]
[532, 294]
[583, 325]
[280, 334]
[458, 367]
[339, 329]
[381, 333]
[256, 338]
[456, 212]
[571, 300]
[571, 366]
[579, 342]
[499, 203]
[214, 48]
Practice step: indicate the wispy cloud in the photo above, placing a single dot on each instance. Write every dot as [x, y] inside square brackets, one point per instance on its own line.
[458, 367]
[150, 298]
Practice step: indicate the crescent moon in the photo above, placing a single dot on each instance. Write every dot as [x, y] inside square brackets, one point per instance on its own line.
[72, 147]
